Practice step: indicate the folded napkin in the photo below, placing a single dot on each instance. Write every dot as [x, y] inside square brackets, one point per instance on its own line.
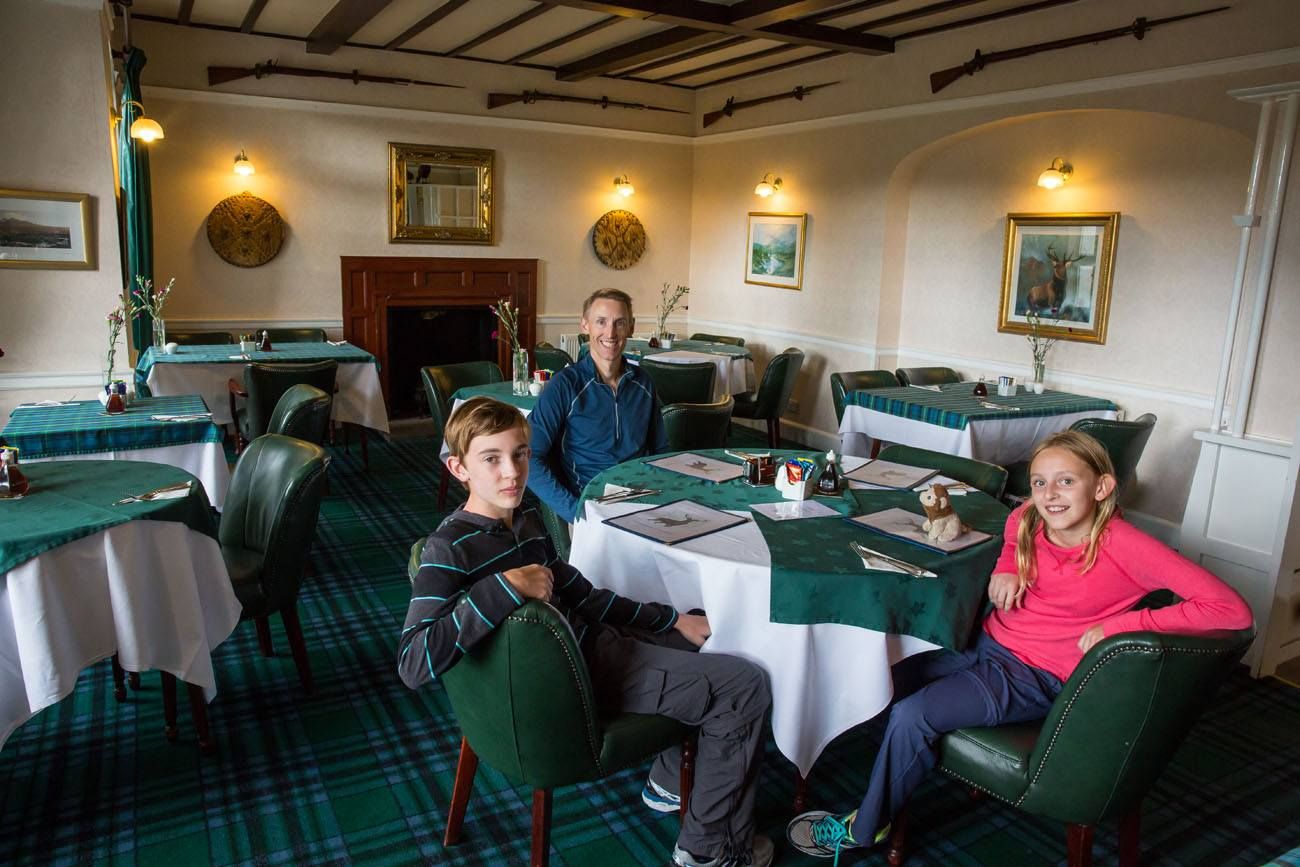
[45, 403]
[987, 405]
[926, 387]
[194, 416]
[336, 342]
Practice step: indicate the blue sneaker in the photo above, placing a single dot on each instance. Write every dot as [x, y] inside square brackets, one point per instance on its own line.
[659, 799]
[824, 835]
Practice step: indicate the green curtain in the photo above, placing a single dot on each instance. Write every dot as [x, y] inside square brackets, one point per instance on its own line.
[137, 197]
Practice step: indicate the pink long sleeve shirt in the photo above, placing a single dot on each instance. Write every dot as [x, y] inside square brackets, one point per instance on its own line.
[1061, 604]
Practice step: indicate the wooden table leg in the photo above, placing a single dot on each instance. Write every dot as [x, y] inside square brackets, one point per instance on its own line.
[170, 729]
[133, 680]
[119, 688]
[800, 793]
[199, 712]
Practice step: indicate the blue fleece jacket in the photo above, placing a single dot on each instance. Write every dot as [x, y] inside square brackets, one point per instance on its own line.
[582, 427]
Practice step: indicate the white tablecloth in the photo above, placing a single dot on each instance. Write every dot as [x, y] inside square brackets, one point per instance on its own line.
[205, 461]
[359, 399]
[825, 678]
[735, 374]
[997, 441]
[155, 592]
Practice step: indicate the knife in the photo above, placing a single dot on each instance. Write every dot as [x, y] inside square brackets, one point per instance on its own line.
[909, 568]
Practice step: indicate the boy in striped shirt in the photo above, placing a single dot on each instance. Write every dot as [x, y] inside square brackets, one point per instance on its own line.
[488, 557]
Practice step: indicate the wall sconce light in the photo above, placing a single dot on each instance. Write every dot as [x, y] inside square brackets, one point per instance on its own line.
[243, 165]
[767, 187]
[624, 186]
[1056, 174]
[144, 128]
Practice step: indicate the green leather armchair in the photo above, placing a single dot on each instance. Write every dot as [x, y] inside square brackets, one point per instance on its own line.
[926, 375]
[200, 338]
[845, 381]
[302, 412]
[718, 338]
[440, 383]
[293, 335]
[681, 383]
[551, 358]
[989, 478]
[526, 706]
[264, 385]
[773, 394]
[1124, 441]
[1109, 734]
[698, 425]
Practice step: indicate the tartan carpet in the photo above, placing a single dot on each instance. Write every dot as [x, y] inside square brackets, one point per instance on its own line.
[361, 772]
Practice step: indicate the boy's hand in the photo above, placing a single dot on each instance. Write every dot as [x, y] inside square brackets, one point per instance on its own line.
[1005, 591]
[693, 627]
[532, 581]
[1091, 637]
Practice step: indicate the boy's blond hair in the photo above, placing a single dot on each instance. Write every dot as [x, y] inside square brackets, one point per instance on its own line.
[481, 417]
[613, 295]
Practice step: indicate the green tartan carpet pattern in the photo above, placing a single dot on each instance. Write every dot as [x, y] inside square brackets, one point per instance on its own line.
[361, 772]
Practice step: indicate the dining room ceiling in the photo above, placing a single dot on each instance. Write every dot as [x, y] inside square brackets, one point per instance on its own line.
[678, 43]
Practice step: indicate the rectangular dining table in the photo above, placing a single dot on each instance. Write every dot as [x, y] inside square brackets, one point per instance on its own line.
[84, 431]
[735, 363]
[999, 430]
[84, 576]
[205, 370]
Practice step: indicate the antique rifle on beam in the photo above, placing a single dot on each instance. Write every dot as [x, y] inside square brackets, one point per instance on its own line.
[944, 77]
[528, 97]
[222, 74]
[731, 106]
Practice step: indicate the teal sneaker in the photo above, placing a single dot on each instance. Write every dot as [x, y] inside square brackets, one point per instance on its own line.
[823, 835]
[659, 799]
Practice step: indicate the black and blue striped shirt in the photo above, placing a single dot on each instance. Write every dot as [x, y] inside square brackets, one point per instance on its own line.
[459, 594]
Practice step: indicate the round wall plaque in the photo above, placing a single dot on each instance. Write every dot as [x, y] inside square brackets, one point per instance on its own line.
[618, 239]
[245, 230]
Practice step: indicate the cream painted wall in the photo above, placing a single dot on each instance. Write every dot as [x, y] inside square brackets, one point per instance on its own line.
[55, 136]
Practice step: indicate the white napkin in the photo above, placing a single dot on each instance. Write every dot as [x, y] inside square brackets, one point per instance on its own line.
[336, 342]
[880, 565]
[194, 416]
[45, 403]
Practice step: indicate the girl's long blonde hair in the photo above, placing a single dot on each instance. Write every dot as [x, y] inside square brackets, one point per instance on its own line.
[1094, 457]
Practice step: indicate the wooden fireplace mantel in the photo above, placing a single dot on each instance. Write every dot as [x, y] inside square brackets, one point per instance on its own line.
[372, 284]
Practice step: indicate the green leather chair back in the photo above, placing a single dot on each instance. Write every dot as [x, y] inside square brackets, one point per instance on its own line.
[718, 338]
[200, 338]
[267, 383]
[1124, 441]
[926, 375]
[681, 383]
[525, 704]
[443, 380]
[269, 520]
[1120, 718]
[303, 412]
[775, 388]
[292, 335]
[698, 425]
[989, 478]
[551, 358]
[856, 380]
[557, 528]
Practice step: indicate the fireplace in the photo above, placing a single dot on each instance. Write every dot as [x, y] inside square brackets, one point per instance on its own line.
[410, 312]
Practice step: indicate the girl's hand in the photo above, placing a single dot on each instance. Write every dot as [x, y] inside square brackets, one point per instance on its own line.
[1006, 591]
[694, 628]
[1091, 637]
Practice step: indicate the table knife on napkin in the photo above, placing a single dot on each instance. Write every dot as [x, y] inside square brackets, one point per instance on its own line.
[876, 560]
[191, 416]
[166, 492]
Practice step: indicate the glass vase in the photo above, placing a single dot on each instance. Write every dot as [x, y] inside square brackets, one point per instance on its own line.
[159, 333]
[1039, 370]
[520, 365]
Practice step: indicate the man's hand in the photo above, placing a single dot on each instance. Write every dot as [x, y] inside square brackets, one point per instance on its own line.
[693, 627]
[1006, 591]
[1091, 637]
[532, 582]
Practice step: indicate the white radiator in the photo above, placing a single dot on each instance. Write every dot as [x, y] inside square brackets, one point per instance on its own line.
[569, 343]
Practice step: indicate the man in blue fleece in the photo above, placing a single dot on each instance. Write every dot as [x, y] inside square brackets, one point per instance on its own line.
[596, 413]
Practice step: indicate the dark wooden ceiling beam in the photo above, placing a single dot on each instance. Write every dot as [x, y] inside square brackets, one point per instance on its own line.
[425, 23]
[638, 51]
[186, 10]
[729, 62]
[683, 57]
[761, 13]
[919, 12]
[340, 23]
[250, 17]
[567, 38]
[503, 27]
[980, 19]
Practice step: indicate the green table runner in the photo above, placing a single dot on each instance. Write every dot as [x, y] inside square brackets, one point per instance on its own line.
[228, 353]
[816, 578]
[955, 405]
[72, 499]
[502, 391]
[84, 427]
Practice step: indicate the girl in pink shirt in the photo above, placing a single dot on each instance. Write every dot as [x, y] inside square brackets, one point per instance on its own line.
[1070, 573]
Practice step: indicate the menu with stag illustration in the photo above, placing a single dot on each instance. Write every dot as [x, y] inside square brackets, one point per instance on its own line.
[699, 467]
[888, 474]
[678, 521]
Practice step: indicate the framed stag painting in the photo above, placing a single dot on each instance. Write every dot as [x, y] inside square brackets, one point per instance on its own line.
[774, 252]
[1057, 268]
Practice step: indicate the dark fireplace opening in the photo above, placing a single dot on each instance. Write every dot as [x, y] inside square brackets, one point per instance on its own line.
[424, 336]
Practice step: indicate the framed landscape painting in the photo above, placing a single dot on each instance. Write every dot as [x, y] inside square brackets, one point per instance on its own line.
[45, 230]
[774, 252]
[1057, 268]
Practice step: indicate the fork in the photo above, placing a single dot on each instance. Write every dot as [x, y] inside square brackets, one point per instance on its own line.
[149, 495]
[915, 571]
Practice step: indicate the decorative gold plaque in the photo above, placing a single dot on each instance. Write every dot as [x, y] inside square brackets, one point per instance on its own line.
[618, 239]
[245, 230]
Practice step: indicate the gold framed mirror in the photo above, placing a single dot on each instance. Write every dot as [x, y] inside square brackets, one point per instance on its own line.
[440, 195]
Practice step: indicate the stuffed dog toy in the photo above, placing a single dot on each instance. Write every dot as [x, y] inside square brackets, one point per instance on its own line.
[941, 524]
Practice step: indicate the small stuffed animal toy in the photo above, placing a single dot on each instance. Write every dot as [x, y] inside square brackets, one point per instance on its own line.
[941, 524]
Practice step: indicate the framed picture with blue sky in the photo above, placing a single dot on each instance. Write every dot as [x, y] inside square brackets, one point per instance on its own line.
[774, 249]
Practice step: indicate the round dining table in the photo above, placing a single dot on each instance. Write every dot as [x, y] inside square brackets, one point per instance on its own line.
[792, 596]
[95, 563]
